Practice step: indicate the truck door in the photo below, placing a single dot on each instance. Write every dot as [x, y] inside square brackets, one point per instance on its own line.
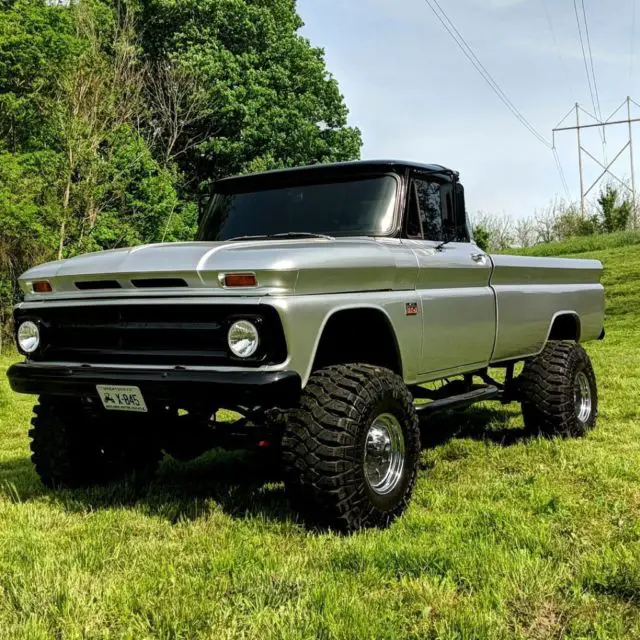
[457, 304]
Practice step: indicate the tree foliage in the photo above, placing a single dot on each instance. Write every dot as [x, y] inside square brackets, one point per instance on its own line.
[482, 237]
[571, 223]
[615, 215]
[560, 221]
[263, 96]
[115, 117]
[495, 232]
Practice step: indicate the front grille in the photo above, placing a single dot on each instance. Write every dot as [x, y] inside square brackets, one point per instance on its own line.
[153, 334]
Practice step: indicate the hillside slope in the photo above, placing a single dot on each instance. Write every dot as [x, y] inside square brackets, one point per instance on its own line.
[582, 244]
[506, 537]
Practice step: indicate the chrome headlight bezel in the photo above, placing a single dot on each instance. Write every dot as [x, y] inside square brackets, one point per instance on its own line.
[243, 339]
[28, 337]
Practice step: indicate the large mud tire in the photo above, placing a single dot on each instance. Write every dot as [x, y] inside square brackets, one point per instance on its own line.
[559, 392]
[330, 451]
[74, 447]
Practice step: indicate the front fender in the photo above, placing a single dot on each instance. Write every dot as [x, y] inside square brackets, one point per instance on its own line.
[304, 319]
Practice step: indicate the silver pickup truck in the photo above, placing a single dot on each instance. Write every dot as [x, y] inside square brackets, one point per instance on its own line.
[317, 303]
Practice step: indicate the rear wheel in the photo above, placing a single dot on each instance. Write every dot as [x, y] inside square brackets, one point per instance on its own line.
[559, 391]
[351, 448]
[74, 447]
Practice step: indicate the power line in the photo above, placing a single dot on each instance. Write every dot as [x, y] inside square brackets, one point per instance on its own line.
[584, 56]
[593, 70]
[589, 114]
[633, 38]
[592, 92]
[562, 175]
[451, 29]
[482, 70]
[595, 82]
[556, 156]
[557, 44]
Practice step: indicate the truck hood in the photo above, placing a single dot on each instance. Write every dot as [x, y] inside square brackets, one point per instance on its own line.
[282, 267]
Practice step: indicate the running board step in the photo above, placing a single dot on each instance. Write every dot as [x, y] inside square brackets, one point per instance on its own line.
[459, 401]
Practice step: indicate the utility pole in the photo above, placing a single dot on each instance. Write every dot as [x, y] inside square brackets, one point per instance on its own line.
[606, 169]
[633, 173]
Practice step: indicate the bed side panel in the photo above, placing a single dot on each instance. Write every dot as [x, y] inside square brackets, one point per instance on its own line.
[532, 292]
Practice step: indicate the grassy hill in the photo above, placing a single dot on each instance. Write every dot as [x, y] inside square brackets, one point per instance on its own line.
[506, 537]
[582, 244]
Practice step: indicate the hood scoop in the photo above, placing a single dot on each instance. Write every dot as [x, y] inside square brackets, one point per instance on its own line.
[96, 285]
[138, 283]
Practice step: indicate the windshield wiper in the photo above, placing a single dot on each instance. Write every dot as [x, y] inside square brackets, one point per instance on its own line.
[290, 234]
[237, 238]
[442, 245]
[302, 234]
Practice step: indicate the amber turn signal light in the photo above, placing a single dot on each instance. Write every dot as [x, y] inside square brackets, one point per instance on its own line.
[240, 280]
[42, 286]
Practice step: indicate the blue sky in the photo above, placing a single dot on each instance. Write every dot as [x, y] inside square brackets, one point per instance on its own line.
[415, 96]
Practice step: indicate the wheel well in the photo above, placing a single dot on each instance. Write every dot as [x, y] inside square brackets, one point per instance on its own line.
[565, 327]
[359, 335]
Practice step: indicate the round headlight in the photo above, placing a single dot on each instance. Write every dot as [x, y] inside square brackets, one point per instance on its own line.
[28, 336]
[243, 339]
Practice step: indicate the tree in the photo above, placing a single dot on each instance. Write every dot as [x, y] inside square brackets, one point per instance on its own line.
[545, 222]
[75, 174]
[615, 215]
[99, 96]
[571, 223]
[180, 110]
[29, 208]
[524, 232]
[481, 237]
[38, 45]
[498, 229]
[253, 92]
[116, 116]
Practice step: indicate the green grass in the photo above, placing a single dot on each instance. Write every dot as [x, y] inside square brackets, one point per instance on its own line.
[506, 537]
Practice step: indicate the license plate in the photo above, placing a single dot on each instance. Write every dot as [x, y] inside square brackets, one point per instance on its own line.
[120, 398]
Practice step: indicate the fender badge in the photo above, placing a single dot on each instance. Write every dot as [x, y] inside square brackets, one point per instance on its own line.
[412, 308]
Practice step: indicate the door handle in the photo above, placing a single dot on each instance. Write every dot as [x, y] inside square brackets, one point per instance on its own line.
[480, 258]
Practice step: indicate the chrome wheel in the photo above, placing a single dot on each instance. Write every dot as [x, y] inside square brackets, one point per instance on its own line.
[582, 397]
[384, 454]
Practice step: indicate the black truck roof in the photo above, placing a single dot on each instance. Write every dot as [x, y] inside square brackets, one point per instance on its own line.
[338, 168]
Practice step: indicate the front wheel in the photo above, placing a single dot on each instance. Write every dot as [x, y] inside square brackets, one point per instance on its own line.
[73, 447]
[351, 448]
[559, 391]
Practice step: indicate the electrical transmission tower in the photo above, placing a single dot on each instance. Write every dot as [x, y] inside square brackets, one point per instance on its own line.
[606, 166]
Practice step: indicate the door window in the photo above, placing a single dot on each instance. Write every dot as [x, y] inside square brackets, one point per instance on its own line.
[433, 214]
[430, 209]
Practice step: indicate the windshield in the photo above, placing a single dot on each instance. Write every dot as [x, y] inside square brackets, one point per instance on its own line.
[363, 207]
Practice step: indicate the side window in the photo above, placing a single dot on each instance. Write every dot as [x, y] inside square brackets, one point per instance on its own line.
[430, 208]
[440, 211]
[453, 221]
[454, 217]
